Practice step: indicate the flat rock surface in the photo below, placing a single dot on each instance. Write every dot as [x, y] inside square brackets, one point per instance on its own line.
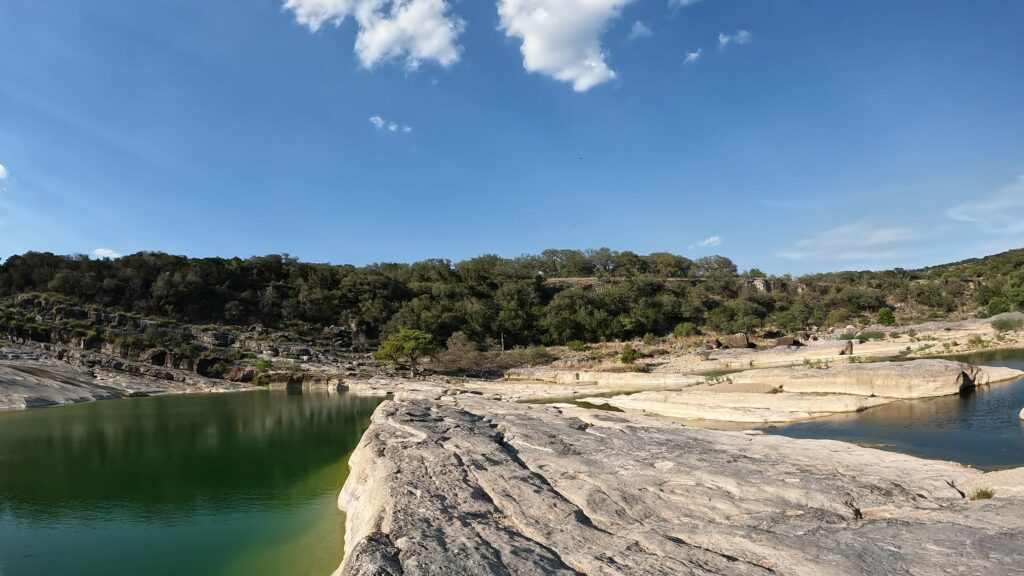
[460, 484]
[913, 379]
[740, 406]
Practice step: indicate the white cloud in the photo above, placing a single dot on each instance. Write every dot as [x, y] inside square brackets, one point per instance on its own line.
[999, 213]
[640, 30]
[740, 37]
[692, 57]
[105, 253]
[682, 3]
[418, 30]
[562, 38]
[3, 172]
[710, 242]
[857, 241]
[391, 126]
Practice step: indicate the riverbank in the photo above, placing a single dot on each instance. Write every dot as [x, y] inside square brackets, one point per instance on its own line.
[483, 486]
[30, 379]
[779, 395]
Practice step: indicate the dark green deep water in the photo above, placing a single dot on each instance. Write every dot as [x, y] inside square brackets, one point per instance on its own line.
[198, 485]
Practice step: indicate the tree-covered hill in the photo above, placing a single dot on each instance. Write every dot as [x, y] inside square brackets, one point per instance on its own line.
[551, 298]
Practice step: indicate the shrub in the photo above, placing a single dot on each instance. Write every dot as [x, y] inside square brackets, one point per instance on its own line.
[1008, 324]
[649, 338]
[684, 329]
[217, 370]
[998, 305]
[983, 494]
[838, 316]
[886, 317]
[871, 335]
[576, 345]
[530, 356]
[630, 355]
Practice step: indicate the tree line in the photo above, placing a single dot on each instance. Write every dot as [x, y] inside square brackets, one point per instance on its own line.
[556, 297]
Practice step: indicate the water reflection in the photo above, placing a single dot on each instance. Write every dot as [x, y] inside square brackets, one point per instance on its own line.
[177, 485]
[981, 428]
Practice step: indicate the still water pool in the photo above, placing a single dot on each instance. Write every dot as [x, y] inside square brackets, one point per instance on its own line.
[198, 485]
[981, 428]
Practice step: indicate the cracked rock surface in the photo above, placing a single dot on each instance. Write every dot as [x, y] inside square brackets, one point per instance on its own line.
[459, 485]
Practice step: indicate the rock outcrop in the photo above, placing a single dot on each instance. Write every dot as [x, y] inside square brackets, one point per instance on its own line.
[461, 485]
[739, 406]
[29, 379]
[915, 379]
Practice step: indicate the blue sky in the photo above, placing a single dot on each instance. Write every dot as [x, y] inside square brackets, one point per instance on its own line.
[792, 136]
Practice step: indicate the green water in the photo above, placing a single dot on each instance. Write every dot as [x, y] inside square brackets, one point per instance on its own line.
[199, 485]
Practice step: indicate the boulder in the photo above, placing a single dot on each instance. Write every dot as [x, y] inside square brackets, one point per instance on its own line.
[788, 341]
[739, 341]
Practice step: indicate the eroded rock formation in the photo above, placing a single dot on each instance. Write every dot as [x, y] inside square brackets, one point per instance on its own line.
[461, 485]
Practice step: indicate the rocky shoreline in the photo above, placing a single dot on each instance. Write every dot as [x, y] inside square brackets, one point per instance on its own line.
[31, 380]
[777, 395]
[455, 483]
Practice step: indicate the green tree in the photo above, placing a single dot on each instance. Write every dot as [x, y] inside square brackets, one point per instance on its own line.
[407, 346]
[886, 317]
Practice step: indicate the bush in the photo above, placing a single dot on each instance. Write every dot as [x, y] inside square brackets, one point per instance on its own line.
[998, 305]
[983, 494]
[886, 317]
[630, 355]
[838, 316]
[684, 329]
[530, 356]
[1008, 324]
[576, 345]
[649, 338]
[870, 335]
[217, 370]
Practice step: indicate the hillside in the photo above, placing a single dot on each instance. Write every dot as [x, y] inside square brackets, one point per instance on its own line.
[553, 298]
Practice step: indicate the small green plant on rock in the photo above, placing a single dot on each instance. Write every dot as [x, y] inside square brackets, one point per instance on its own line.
[983, 494]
